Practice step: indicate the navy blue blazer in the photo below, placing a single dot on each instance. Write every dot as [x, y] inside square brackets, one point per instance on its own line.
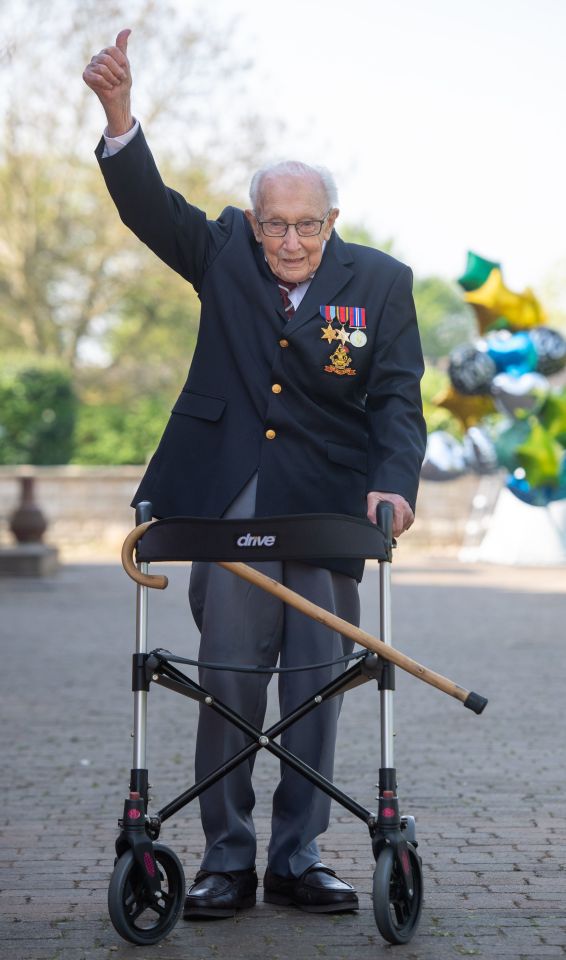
[262, 393]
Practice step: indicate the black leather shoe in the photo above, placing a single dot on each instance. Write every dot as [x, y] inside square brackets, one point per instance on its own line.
[317, 890]
[220, 894]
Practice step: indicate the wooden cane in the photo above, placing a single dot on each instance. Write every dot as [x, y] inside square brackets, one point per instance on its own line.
[473, 701]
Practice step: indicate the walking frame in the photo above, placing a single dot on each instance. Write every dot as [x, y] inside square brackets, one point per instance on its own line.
[147, 887]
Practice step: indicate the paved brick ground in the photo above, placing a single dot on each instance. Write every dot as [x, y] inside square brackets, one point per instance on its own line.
[486, 791]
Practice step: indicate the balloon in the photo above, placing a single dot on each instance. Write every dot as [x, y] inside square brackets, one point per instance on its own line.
[540, 457]
[521, 309]
[559, 493]
[551, 350]
[553, 416]
[469, 410]
[538, 496]
[477, 271]
[471, 370]
[534, 496]
[508, 440]
[487, 320]
[444, 457]
[512, 352]
[519, 396]
[479, 451]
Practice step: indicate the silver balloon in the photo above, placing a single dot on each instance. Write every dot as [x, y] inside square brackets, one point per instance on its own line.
[444, 457]
[550, 346]
[519, 396]
[479, 451]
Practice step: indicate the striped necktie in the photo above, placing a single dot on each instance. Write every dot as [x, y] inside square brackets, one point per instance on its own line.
[285, 287]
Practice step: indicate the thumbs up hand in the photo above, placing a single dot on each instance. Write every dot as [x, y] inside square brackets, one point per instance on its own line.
[108, 75]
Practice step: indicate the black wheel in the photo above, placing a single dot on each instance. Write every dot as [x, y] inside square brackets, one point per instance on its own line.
[135, 914]
[396, 915]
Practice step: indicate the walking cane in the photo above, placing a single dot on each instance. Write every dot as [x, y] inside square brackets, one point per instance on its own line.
[473, 701]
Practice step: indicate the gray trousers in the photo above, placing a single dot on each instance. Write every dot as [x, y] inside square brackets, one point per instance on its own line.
[240, 623]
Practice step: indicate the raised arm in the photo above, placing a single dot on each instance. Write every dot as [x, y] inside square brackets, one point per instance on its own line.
[174, 229]
[109, 75]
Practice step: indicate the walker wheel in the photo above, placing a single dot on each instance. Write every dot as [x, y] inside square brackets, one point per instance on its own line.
[396, 914]
[135, 914]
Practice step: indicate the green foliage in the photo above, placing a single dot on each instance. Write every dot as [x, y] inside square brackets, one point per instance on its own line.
[437, 418]
[445, 320]
[114, 434]
[70, 272]
[358, 233]
[37, 412]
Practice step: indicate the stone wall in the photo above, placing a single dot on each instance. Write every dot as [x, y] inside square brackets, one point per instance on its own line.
[89, 514]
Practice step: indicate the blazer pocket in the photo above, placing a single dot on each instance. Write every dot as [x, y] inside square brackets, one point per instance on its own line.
[197, 405]
[347, 456]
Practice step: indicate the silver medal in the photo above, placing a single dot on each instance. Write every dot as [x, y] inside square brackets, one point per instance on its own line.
[358, 338]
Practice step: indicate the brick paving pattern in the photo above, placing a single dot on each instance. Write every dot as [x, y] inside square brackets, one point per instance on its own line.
[487, 791]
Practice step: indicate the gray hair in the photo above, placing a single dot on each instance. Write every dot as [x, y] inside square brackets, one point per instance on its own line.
[294, 168]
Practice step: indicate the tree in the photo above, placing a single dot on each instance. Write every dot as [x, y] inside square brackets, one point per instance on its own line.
[37, 412]
[71, 276]
[445, 320]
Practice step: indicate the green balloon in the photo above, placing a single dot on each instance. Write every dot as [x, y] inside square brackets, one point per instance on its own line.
[477, 271]
[507, 442]
[553, 416]
[502, 323]
[540, 457]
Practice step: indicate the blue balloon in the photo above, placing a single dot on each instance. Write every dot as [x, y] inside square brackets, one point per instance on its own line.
[559, 491]
[512, 353]
[537, 496]
[534, 496]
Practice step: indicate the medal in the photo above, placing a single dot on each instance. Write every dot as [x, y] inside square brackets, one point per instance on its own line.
[358, 338]
[353, 318]
[328, 333]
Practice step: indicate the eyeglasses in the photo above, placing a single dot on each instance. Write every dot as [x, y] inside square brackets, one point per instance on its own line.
[304, 228]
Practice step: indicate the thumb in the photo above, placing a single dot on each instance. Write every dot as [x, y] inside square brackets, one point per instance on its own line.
[122, 40]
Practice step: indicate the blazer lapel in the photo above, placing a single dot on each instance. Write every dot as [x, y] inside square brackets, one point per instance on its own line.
[332, 275]
[269, 282]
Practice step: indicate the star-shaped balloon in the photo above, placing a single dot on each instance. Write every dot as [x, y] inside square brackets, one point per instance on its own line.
[522, 310]
[553, 416]
[508, 440]
[468, 409]
[487, 321]
[540, 456]
[477, 271]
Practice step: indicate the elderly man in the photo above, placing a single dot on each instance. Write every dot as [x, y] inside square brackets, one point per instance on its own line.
[302, 397]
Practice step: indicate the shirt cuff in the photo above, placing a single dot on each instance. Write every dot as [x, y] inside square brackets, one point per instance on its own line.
[115, 144]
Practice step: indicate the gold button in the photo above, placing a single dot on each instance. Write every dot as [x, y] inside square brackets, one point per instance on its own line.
[283, 343]
[276, 388]
[270, 434]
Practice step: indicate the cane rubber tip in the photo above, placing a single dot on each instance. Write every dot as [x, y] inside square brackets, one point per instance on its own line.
[476, 703]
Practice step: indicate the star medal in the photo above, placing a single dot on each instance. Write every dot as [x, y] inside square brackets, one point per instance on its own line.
[328, 333]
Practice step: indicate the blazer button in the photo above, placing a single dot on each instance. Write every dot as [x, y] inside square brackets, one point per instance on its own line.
[276, 388]
[283, 343]
[270, 434]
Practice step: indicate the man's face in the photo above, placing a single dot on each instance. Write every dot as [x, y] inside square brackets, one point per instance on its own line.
[291, 199]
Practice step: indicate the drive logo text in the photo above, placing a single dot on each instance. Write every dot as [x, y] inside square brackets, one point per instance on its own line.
[249, 540]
